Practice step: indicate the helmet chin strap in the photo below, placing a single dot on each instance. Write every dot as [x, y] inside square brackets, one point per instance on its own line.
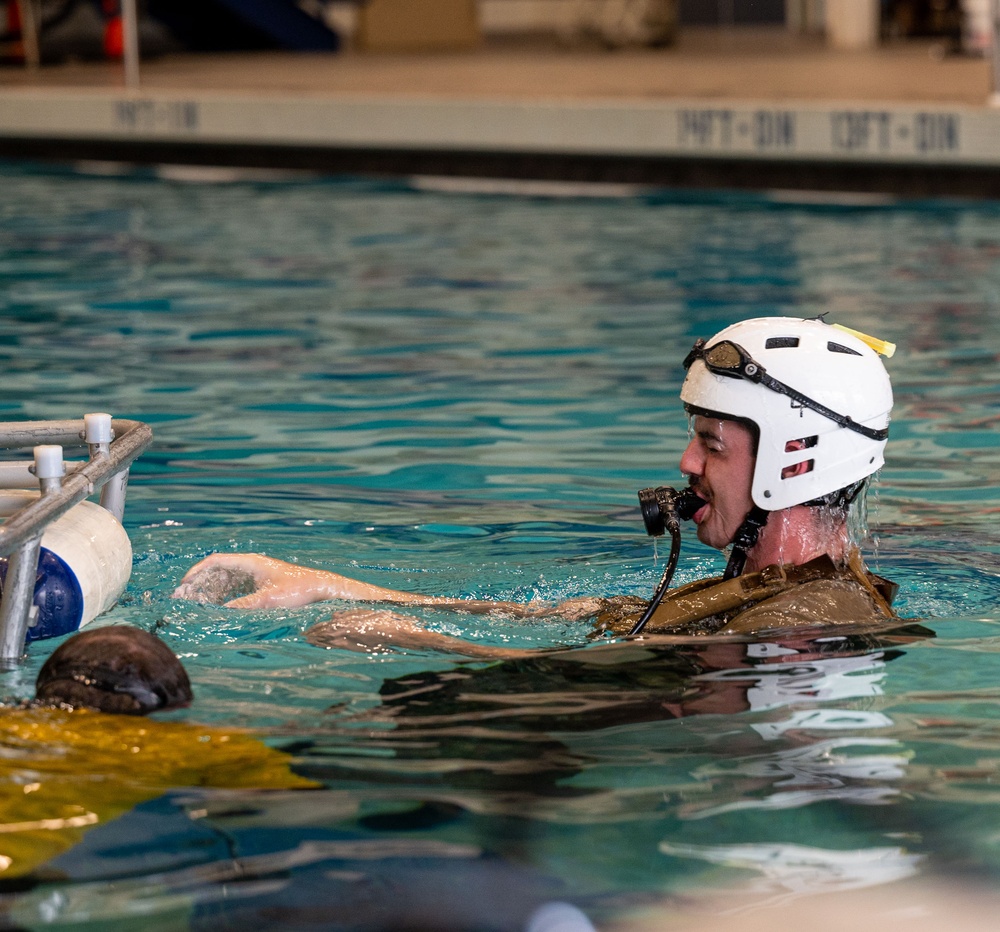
[744, 540]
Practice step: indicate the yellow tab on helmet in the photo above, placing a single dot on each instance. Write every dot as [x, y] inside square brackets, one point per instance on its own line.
[882, 347]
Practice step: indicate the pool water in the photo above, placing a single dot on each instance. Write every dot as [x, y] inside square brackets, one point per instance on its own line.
[460, 393]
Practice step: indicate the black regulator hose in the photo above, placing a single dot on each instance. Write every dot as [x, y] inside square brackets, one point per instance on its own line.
[662, 510]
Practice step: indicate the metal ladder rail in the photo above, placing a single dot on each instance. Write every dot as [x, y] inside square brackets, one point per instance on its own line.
[21, 534]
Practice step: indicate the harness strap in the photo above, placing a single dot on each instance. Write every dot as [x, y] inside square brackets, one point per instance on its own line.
[882, 590]
[744, 540]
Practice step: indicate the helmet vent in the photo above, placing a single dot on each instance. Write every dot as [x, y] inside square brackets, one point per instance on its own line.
[840, 348]
[781, 342]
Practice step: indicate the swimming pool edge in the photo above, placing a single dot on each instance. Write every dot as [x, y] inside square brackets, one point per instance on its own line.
[910, 149]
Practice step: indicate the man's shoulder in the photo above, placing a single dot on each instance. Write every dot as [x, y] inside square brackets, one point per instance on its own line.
[818, 593]
[820, 602]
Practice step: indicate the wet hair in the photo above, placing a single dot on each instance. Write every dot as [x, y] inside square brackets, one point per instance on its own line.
[114, 669]
[840, 501]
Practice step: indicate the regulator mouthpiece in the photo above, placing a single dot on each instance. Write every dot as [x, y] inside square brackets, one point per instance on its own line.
[661, 507]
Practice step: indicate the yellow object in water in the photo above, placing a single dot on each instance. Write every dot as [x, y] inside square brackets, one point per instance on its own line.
[882, 347]
[62, 772]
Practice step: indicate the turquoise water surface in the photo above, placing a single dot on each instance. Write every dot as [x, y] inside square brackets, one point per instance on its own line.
[460, 393]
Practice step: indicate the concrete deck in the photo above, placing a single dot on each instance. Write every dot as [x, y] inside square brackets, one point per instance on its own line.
[712, 64]
[758, 107]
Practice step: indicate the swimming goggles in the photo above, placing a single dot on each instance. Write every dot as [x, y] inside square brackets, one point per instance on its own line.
[730, 359]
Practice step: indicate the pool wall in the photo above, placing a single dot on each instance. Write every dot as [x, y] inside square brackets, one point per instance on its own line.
[916, 143]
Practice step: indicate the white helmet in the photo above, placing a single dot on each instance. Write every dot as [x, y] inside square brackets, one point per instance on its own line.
[817, 394]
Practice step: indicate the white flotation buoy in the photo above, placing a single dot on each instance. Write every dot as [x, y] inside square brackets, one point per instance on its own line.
[83, 566]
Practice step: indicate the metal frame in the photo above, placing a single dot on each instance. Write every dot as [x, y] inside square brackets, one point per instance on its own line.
[105, 470]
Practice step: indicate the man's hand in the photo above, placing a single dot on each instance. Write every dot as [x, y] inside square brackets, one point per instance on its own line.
[251, 580]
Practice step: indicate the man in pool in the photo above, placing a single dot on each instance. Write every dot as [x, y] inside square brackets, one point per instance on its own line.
[789, 422]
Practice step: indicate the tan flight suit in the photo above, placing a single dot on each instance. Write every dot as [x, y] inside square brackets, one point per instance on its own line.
[818, 593]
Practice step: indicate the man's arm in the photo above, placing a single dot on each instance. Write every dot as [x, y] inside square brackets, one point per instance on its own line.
[378, 630]
[252, 580]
